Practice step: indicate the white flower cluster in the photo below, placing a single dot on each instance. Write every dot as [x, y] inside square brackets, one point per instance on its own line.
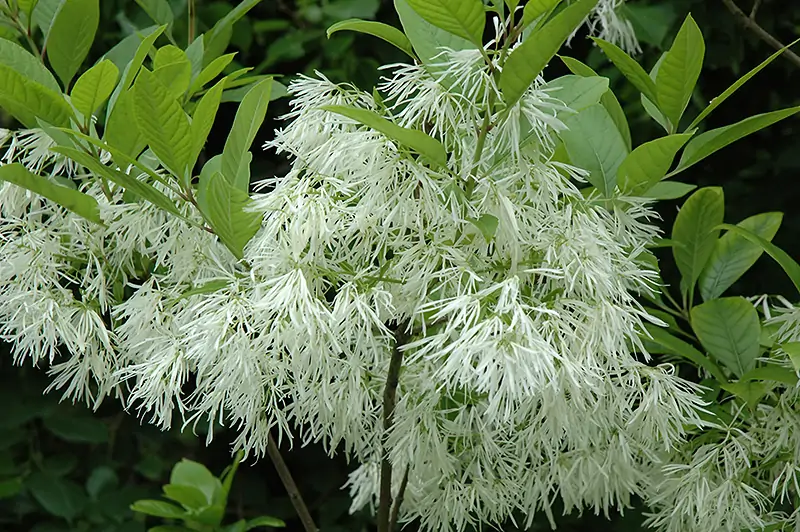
[513, 306]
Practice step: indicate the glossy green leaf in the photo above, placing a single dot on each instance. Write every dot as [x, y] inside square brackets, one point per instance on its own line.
[71, 36]
[577, 92]
[649, 163]
[651, 108]
[733, 254]
[383, 31]
[729, 329]
[28, 100]
[487, 225]
[158, 10]
[173, 69]
[265, 520]
[159, 509]
[716, 102]
[162, 122]
[792, 349]
[528, 60]
[126, 181]
[417, 140]
[772, 373]
[609, 100]
[426, 39]
[223, 205]
[94, 87]
[711, 141]
[124, 51]
[679, 71]
[676, 346]
[216, 40]
[249, 118]
[210, 72]
[60, 497]
[203, 120]
[630, 69]
[19, 59]
[536, 8]
[72, 200]
[189, 497]
[44, 13]
[789, 265]
[695, 233]
[594, 143]
[121, 130]
[464, 18]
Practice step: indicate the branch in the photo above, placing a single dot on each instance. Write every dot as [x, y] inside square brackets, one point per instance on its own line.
[398, 501]
[750, 24]
[389, 402]
[291, 488]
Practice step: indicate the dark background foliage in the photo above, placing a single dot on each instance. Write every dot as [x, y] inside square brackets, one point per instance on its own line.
[63, 467]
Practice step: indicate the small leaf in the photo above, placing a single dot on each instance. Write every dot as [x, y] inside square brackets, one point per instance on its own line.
[189, 497]
[679, 71]
[210, 72]
[464, 18]
[265, 520]
[536, 8]
[249, 118]
[651, 108]
[224, 206]
[25, 63]
[630, 69]
[649, 163]
[121, 130]
[28, 100]
[716, 102]
[789, 265]
[216, 40]
[71, 36]
[577, 92]
[709, 142]
[159, 509]
[595, 144]
[100, 479]
[383, 31]
[77, 202]
[729, 329]
[771, 373]
[427, 40]
[10, 488]
[158, 10]
[207, 288]
[162, 122]
[60, 497]
[733, 254]
[695, 233]
[203, 120]
[94, 87]
[173, 69]
[792, 349]
[487, 225]
[417, 140]
[528, 60]
[668, 190]
[676, 346]
[78, 430]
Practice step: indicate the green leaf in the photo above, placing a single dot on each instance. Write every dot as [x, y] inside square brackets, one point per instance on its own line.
[191, 473]
[100, 479]
[27, 6]
[25, 63]
[71, 36]
[10, 488]
[594, 143]
[711, 141]
[60, 497]
[265, 520]
[383, 31]
[733, 254]
[676, 346]
[224, 207]
[487, 225]
[786, 262]
[203, 120]
[427, 40]
[649, 163]
[249, 118]
[189, 497]
[528, 60]
[126, 181]
[158, 10]
[78, 430]
[792, 349]
[125, 50]
[417, 140]
[216, 40]
[228, 475]
[206, 288]
[609, 100]
[771, 372]
[695, 233]
[729, 329]
[536, 8]
[195, 54]
[173, 70]
[651, 108]
[210, 72]
[716, 102]
[162, 122]
[630, 69]
[77, 202]
[679, 71]
[159, 509]
[28, 100]
[464, 18]
[121, 130]
[651, 23]
[44, 13]
[577, 92]
[94, 87]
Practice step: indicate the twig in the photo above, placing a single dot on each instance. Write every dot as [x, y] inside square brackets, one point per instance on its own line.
[291, 488]
[752, 25]
[191, 30]
[753, 11]
[398, 501]
[389, 403]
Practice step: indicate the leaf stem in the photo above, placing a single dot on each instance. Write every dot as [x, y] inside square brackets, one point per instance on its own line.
[290, 485]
